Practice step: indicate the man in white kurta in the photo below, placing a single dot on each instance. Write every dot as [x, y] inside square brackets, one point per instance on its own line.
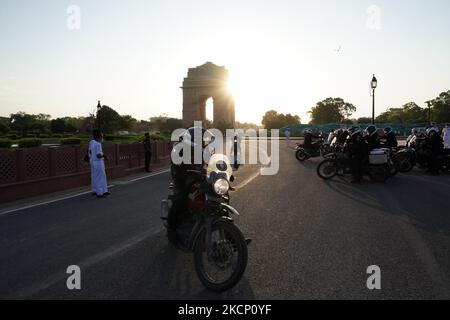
[98, 174]
[446, 136]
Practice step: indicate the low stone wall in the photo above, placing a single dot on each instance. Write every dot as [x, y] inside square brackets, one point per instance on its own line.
[31, 172]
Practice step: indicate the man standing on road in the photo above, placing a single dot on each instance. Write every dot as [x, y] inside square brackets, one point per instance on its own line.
[287, 133]
[96, 159]
[148, 152]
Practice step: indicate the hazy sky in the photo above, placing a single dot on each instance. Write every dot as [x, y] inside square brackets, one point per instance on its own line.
[134, 54]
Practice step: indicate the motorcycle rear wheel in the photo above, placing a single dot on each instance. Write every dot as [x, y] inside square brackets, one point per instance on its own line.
[231, 242]
[327, 169]
[301, 155]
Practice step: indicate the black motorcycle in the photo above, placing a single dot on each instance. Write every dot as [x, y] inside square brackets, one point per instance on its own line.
[208, 230]
[377, 166]
[418, 154]
[403, 159]
[317, 149]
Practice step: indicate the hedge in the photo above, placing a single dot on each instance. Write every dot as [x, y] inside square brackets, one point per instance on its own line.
[12, 136]
[109, 138]
[70, 141]
[29, 143]
[158, 137]
[5, 144]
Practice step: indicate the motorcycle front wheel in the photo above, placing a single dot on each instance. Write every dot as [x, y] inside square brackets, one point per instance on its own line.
[327, 169]
[404, 163]
[223, 267]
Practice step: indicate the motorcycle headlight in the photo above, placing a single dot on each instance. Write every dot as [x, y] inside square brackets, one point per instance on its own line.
[221, 186]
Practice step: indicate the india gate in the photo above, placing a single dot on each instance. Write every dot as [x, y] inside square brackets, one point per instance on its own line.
[204, 82]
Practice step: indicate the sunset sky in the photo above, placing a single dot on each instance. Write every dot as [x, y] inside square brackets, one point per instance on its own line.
[134, 54]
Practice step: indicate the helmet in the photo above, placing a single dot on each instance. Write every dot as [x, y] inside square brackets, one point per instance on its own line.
[354, 130]
[307, 131]
[371, 130]
[415, 131]
[432, 130]
[387, 130]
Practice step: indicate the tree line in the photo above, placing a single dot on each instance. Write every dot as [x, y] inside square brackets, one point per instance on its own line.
[336, 110]
[105, 118]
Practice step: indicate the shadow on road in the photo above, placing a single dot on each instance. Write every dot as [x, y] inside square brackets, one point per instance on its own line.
[172, 276]
[415, 195]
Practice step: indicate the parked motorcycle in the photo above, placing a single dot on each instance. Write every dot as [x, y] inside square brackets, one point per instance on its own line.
[378, 166]
[419, 154]
[317, 149]
[208, 230]
[403, 159]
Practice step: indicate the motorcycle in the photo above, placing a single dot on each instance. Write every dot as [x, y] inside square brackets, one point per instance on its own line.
[419, 156]
[403, 159]
[318, 149]
[378, 166]
[207, 229]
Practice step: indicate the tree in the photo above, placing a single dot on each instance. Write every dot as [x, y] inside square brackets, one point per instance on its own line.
[408, 113]
[364, 120]
[107, 119]
[58, 125]
[331, 110]
[441, 108]
[274, 120]
[4, 125]
[22, 122]
[127, 122]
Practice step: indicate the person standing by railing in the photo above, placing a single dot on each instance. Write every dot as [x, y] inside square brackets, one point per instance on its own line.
[148, 152]
[96, 159]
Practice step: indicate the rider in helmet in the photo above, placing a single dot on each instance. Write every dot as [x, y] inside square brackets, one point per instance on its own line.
[181, 175]
[436, 147]
[308, 138]
[390, 138]
[358, 149]
[372, 138]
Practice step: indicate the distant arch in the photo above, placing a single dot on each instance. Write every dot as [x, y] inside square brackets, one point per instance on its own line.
[202, 83]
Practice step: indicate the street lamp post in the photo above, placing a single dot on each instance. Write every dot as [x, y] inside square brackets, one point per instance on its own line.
[429, 104]
[373, 86]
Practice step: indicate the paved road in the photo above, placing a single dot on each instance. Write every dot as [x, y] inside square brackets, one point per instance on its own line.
[311, 240]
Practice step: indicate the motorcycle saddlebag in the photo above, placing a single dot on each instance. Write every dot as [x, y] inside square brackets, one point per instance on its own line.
[378, 157]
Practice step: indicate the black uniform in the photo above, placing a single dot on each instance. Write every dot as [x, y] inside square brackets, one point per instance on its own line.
[373, 141]
[358, 149]
[148, 153]
[436, 147]
[391, 141]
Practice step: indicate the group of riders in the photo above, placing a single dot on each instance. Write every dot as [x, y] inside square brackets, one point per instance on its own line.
[428, 147]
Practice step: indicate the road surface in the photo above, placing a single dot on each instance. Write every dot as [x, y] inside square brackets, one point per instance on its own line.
[311, 240]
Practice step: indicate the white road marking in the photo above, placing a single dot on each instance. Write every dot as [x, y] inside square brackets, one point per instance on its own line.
[2, 213]
[247, 181]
